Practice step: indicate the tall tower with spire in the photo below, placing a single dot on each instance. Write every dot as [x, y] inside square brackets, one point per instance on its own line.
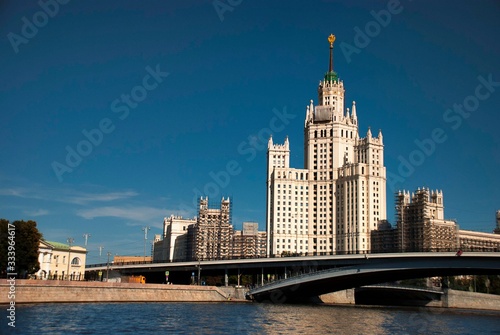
[343, 196]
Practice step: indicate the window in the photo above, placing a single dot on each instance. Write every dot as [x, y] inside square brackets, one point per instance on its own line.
[75, 261]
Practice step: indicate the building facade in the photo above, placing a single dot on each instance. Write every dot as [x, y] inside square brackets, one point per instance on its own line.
[211, 237]
[421, 224]
[421, 227]
[249, 242]
[478, 241]
[173, 245]
[333, 203]
[384, 238]
[57, 260]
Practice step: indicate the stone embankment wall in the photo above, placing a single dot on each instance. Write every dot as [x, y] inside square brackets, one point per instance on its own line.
[44, 291]
[233, 293]
[451, 299]
[471, 300]
[339, 297]
[40, 291]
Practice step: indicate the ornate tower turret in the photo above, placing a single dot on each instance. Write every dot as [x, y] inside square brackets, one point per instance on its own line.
[331, 88]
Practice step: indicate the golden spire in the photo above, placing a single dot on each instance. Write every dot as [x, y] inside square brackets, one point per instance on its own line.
[331, 39]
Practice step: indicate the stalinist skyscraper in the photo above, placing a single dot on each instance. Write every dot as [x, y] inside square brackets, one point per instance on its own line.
[331, 205]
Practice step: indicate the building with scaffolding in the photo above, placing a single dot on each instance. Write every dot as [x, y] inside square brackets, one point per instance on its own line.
[421, 227]
[211, 237]
[420, 222]
[249, 242]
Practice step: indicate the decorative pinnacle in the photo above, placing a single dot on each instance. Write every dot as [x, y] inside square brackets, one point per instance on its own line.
[331, 39]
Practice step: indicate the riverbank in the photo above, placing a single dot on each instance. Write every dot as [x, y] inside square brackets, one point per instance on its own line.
[56, 291]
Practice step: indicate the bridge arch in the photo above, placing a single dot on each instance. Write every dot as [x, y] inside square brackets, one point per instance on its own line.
[372, 271]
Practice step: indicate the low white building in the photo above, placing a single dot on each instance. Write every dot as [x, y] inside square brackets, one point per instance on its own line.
[57, 260]
[173, 246]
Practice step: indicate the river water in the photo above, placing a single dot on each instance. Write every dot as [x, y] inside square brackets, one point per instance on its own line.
[244, 318]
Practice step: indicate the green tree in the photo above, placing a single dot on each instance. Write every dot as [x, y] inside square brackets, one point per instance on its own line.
[481, 283]
[3, 246]
[27, 239]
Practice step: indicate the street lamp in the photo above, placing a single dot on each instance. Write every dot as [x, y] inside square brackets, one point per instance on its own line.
[401, 228]
[100, 253]
[145, 230]
[107, 268]
[70, 242]
[86, 237]
[199, 272]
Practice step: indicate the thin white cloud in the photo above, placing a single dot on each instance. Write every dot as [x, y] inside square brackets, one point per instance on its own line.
[129, 213]
[38, 212]
[66, 195]
[122, 204]
[16, 192]
[84, 198]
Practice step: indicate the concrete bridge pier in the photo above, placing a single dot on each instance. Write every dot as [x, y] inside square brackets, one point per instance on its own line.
[344, 297]
[470, 300]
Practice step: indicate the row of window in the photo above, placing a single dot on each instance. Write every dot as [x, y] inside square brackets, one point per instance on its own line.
[290, 241]
[296, 204]
[47, 258]
[290, 220]
[298, 175]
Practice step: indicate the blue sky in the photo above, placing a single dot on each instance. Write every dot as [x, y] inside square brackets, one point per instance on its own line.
[174, 93]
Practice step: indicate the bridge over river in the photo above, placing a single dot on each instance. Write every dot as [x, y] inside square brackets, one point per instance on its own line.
[376, 268]
[297, 278]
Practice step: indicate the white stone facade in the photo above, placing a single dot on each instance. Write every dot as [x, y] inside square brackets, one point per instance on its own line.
[53, 258]
[173, 246]
[333, 204]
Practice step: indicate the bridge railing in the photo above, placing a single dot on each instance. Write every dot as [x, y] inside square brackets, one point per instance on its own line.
[89, 266]
[408, 287]
[464, 248]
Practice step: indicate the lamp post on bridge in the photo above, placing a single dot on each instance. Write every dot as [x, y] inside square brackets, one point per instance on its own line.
[100, 253]
[199, 272]
[107, 268]
[145, 230]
